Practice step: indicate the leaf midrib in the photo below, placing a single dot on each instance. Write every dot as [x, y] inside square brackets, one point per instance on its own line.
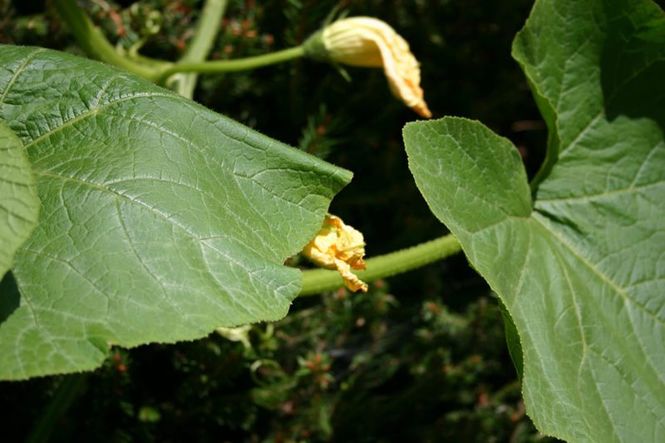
[201, 240]
[583, 259]
[22, 65]
[91, 112]
[99, 109]
[583, 198]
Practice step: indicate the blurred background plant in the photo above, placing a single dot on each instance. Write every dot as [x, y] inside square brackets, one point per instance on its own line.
[421, 357]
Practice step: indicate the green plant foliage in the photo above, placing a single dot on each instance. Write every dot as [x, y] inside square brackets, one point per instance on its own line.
[306, 378]
[580, 266]
[19, 205]
[161, 220]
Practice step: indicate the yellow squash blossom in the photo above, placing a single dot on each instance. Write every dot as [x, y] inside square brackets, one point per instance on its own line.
[341, 247]
[369, 42]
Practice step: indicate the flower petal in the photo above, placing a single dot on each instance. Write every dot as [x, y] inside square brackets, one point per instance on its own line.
[341, 247]
[369, 42]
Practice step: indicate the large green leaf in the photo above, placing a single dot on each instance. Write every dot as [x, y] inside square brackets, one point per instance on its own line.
[19, 205]
[160, 220]
[580, 266]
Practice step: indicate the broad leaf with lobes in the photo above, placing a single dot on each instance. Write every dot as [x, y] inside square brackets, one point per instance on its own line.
[579, 263]
[160, 220]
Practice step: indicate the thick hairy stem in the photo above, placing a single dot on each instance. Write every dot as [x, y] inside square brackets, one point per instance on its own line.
[321, 280]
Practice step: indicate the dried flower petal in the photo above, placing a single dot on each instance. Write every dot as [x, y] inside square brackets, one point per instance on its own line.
[341, 247]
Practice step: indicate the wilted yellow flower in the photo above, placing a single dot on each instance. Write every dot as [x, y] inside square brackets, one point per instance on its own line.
[339, 246]
[369, 42]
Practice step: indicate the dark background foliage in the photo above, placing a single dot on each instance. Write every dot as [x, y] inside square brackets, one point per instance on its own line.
[421, 357]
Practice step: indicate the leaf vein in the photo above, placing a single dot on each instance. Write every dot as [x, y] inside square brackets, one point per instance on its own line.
[24, 64]
[618, 289]
[89, 113]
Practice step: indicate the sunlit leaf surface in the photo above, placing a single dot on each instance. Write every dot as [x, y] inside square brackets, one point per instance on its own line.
[160, 219]
[580, 266]
[19, 205]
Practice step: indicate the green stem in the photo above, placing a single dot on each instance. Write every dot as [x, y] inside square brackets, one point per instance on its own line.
[146, 61]
[242, 64]
[95, 44]
[203, 41]
[206, 31]
[320, 280]
[68, 390]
